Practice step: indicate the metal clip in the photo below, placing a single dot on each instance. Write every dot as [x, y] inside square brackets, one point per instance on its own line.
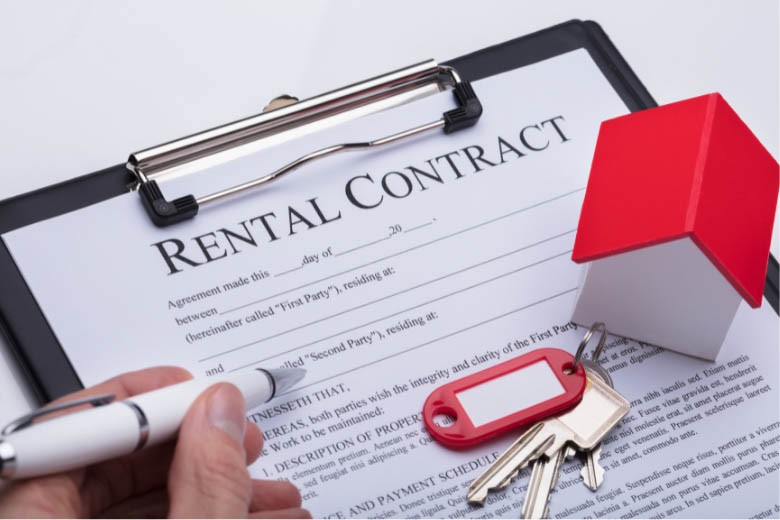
[290, 113]
[26, 420]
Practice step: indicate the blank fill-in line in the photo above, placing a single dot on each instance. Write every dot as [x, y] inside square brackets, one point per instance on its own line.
[439, 298]
[430, 342]
[399, 253]
[361, 247]
[415, 228]
[287, 272]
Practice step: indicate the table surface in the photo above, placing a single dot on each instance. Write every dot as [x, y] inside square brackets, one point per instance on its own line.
[84, 83]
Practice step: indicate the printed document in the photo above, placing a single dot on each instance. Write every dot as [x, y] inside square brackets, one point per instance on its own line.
[388, 273]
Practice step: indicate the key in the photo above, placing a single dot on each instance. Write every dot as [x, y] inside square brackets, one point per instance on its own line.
[544, 476]
[584, 426]
[592, 472]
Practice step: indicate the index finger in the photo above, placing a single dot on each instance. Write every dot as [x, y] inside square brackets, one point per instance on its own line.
[132, 383]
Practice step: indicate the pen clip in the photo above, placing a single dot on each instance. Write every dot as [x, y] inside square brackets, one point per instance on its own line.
[26, 420]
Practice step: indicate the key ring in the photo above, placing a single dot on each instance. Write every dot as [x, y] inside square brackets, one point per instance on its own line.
[586, 340]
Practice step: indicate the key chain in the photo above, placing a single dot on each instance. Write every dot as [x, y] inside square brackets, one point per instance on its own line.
[593, 363]
[512, 394]
[547, 443]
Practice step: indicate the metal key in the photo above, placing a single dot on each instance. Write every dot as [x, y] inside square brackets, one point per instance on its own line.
[584, 426]
[592, 472]
[544, 476]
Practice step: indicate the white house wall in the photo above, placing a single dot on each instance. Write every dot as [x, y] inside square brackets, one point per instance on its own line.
[669, 295]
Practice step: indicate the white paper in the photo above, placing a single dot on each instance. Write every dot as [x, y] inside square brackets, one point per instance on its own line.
[396, 300]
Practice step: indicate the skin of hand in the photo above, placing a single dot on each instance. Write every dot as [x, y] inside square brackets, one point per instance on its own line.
[201, 474]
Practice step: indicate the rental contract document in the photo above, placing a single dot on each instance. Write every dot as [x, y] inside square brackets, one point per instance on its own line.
[388, 273]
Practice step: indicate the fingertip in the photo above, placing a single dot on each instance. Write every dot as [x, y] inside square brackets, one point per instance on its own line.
[163, 375]
[176, 373]
[208, 475]
[218, 414]
[226, 410]
[152, 378]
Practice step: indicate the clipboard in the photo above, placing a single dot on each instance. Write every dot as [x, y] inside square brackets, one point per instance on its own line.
[22, 321]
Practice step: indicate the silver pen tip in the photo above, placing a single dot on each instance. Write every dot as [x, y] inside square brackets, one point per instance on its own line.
[285, 378]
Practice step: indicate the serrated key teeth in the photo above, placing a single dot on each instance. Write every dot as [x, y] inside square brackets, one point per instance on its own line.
[570, 452]
[504, 483]
[476, 497]
[592, 480]
[549, 449]
[590, 485]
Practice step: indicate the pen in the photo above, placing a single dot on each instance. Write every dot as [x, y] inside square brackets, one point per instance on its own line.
[111, 430]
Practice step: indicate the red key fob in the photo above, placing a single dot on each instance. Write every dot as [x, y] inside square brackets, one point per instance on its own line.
[510, 395]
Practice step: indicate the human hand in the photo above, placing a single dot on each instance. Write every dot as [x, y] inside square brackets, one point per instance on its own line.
[201, 474]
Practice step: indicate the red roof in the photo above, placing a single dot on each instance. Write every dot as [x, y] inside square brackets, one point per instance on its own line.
[691, 168]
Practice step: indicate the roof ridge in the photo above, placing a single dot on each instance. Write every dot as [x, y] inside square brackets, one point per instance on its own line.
[701, 160]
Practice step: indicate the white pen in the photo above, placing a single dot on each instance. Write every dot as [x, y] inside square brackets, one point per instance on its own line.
[111, 430]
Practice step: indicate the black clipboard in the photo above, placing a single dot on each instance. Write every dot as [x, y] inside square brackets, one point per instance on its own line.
[22, 321]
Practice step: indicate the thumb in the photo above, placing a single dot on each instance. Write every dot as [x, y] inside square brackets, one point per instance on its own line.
[208, 476]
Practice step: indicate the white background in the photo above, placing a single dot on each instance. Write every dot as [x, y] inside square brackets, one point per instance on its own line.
[84, 83]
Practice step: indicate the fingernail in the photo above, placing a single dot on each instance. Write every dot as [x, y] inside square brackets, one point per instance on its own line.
[226, 411]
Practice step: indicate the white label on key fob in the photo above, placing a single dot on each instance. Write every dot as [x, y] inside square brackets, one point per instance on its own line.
[516, 390]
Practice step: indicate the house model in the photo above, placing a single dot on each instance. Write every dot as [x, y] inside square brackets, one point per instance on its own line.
[676, 225]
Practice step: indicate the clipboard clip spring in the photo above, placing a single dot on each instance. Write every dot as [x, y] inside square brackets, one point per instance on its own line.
[145, 164]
